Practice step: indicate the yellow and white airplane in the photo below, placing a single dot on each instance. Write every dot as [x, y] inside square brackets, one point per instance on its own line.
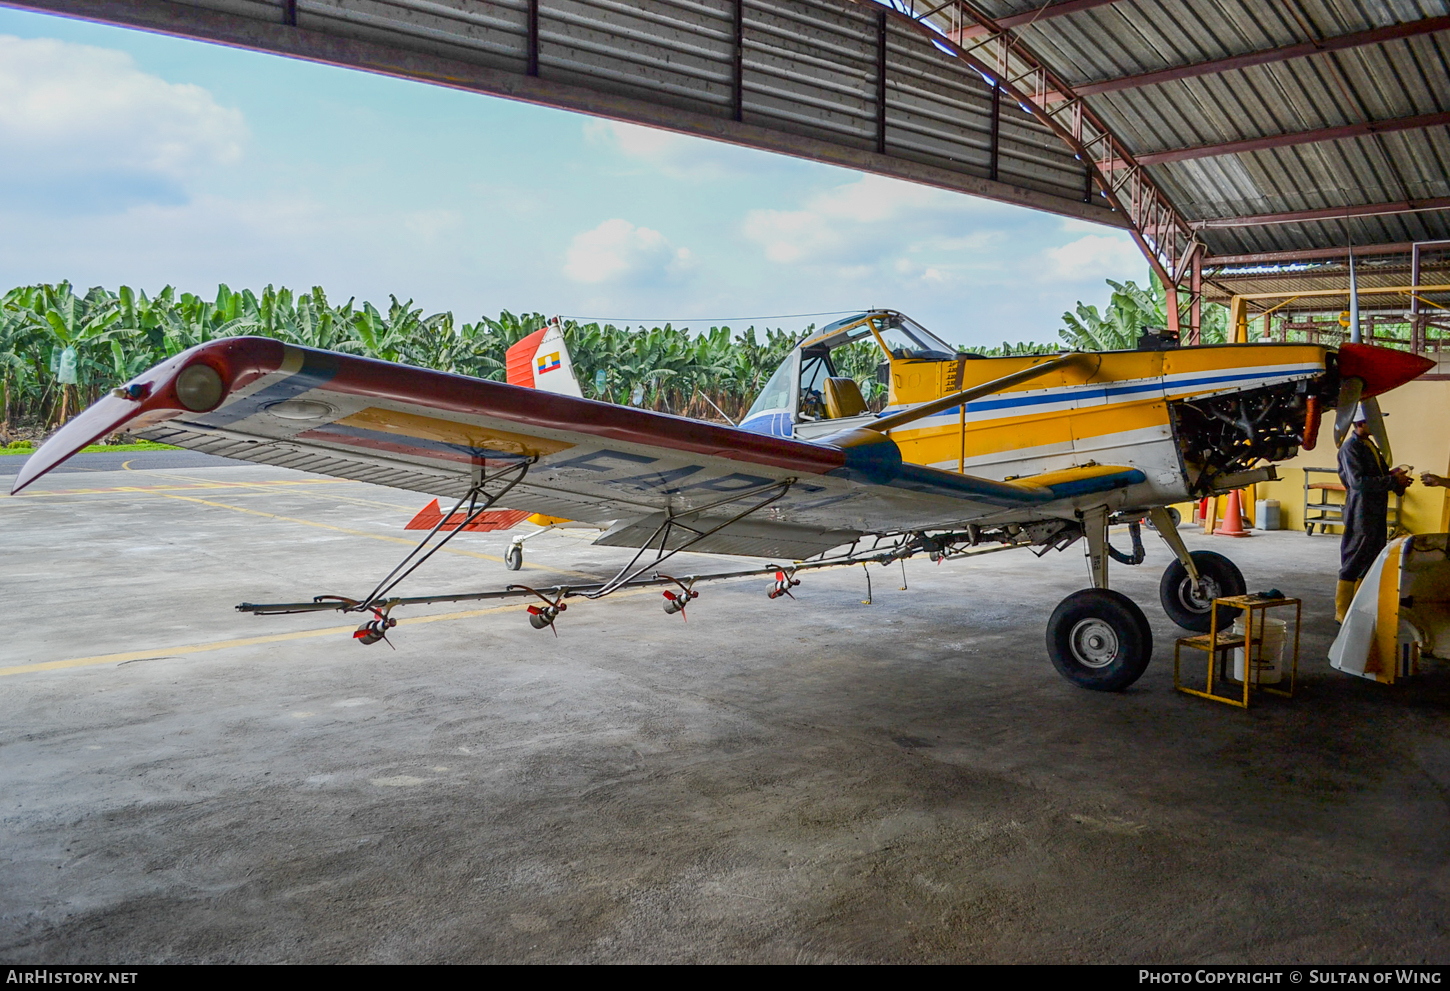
[1032, 451]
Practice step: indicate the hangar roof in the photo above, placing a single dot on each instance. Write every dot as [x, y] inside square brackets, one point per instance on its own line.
[1233, 133]
[1271, 128]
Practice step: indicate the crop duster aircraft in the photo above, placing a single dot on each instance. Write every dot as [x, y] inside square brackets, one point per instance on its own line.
[1022, 451]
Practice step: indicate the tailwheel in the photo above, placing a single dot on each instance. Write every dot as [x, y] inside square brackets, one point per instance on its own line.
[513, 558]
[1099, 639]
[1190, 609]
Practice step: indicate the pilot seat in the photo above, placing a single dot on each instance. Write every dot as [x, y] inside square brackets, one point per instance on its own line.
[843, 398]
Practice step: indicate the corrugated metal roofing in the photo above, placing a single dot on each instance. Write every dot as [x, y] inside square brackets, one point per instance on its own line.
[1404, 77]
[838, 81]
[1306, 278]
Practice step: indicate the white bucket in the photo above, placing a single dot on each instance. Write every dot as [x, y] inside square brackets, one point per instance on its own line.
[1267, 514]
[1268, 658]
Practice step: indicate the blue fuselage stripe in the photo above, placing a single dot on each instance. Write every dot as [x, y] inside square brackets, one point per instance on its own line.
[1098, 392]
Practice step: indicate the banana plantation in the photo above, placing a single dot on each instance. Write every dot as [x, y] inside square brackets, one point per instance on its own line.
[60, 350]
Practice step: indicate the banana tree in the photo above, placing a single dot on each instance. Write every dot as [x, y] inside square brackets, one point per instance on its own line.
[76, 325]
[387, 337]
[18, 333]
[1129, 310]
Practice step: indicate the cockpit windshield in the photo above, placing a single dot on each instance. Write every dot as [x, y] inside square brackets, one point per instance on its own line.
[905, 338]
[839, 372]
[778, 391]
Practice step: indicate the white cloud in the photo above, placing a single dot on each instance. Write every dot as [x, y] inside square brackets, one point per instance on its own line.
[68, 109]
[1076, 225]
[431, 226]
[678, 156]
[618, 251]
[1096, 256]
[293, 239]
[872, 199]
[633, 139]
[872, 218]
[790, 235]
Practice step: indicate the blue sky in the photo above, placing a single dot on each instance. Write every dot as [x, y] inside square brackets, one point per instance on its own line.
[143, 160]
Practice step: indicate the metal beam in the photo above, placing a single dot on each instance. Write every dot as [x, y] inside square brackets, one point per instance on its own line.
[1295, 138]
[996, 134]
[1328, 213]
[1308, 254]
[881, 82]
[532, 27]
[320, 40]
[1358, 39]
[1030, 17]
[1160, 232]
[737, 63]
[1331, 293]
[1050, 11]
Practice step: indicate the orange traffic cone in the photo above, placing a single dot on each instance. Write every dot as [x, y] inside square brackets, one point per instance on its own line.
[1233, 521]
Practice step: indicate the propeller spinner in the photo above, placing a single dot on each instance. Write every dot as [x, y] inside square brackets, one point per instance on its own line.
[1365, 372]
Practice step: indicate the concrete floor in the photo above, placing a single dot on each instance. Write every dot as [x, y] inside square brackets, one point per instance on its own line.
[816, 780]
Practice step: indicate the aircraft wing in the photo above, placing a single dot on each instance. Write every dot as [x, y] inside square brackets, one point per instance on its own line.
[437, 433]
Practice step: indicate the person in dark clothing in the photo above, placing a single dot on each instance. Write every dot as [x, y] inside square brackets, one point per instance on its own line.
[1368, 482]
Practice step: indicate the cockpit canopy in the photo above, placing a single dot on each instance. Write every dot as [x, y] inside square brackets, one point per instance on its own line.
[810, 384]
[903, 337]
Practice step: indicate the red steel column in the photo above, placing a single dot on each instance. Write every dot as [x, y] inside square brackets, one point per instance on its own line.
[1195, 307]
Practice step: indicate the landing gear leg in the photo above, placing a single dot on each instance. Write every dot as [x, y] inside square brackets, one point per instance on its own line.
[1194, 580]
[513, 558]
[1162, 518]
[1095, 527]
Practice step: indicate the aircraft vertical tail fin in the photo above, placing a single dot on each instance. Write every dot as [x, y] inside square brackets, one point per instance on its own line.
[541, 361]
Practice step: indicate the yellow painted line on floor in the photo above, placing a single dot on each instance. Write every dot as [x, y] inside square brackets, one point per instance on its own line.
[331, 496]
[198, 648]
[364, 533]
[200, 484]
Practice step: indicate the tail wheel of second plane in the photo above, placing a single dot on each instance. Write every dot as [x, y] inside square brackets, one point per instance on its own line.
[1190, 610]
[1099, 639]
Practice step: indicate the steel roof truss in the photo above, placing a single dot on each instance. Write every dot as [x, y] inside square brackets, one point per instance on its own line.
[1159, 230]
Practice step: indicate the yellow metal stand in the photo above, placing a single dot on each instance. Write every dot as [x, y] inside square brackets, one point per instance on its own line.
[1217, 645]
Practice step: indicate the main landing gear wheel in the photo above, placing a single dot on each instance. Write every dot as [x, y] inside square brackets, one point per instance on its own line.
[513, 558]
[1099, 639]
[1221, 577]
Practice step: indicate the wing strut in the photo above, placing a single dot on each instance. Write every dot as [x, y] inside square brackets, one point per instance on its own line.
[475, 510]
[874, 435]
[673, 520]
[885, 423]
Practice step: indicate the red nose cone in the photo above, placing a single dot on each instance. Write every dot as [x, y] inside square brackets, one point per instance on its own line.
[1382, 369]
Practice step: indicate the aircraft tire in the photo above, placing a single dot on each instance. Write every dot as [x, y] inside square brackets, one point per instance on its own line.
[1099, 639]
[513, 558]
[1221, 576]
